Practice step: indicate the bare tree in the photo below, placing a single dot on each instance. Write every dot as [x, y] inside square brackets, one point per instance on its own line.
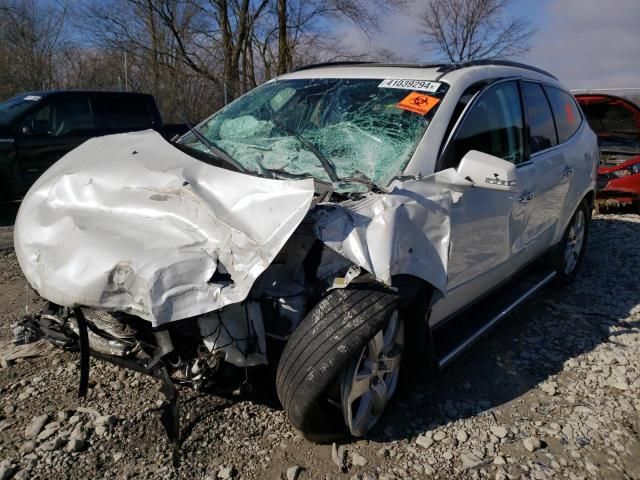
[192, 55]
[461, 30]
[32, 35]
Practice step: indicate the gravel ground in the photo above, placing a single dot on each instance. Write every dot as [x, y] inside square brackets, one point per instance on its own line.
[553, 392]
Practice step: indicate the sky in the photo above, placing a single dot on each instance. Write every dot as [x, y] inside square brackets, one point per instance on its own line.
[585, 43]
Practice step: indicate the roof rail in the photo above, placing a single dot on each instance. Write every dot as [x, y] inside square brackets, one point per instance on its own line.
[442, 67]
[331, 64]
[373, 64]
[492, 61]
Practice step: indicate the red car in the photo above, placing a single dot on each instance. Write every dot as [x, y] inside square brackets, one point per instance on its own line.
[616, 121]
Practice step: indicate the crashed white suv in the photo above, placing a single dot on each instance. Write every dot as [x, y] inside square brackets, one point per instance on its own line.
[349, 224]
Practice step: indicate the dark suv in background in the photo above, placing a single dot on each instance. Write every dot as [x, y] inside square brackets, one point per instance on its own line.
[38, 128]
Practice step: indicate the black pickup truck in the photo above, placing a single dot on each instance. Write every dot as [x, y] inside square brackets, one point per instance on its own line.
[38, 128]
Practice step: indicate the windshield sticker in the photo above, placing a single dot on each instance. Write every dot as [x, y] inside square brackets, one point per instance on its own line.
[406, 84]
[32, 98]
[418, 103]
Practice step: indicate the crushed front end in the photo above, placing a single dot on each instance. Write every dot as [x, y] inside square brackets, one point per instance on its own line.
[185, 271]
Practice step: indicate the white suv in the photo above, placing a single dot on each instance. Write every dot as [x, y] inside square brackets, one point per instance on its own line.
[366, 221]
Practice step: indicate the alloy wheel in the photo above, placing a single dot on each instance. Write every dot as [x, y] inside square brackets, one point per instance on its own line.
[371, 380]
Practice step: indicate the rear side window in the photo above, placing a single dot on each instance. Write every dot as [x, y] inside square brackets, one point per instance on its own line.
[494, 126]
[124, 112]
[565, 112]
[542, 132]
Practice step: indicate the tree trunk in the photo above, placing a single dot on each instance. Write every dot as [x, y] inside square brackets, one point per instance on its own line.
[284, 60]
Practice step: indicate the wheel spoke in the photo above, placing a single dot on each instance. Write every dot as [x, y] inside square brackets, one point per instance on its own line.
[361, 382]
[380, 397]
[391, 362]
[376, 345]
[358, 423]
[579, 224]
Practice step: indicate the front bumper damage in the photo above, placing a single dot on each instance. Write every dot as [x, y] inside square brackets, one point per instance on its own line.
[211, 261]
[616, 191]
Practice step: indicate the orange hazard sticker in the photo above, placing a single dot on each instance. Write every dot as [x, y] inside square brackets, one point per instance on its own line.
[418, 103]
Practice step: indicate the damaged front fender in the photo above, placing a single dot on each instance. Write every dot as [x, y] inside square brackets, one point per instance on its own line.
[405, 231]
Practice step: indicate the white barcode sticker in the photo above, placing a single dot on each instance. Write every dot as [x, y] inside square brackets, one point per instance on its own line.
[408, 84]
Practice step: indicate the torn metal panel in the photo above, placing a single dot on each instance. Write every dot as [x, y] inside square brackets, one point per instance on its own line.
[129, 223]
[405, 231]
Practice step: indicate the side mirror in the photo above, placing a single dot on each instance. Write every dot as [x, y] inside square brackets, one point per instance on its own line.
[487, 171]
[25, 130]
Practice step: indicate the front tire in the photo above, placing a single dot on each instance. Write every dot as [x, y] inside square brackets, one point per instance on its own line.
[330, 352]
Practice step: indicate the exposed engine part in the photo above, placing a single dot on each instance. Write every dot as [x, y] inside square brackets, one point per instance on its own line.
[164, 346]
[107, 333]
[236, 334]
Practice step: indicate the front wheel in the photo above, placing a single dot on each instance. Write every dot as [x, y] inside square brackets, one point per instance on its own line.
[340, 367]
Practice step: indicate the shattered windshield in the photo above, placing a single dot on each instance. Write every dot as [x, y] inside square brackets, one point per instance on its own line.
[15, 106]
[364, 128]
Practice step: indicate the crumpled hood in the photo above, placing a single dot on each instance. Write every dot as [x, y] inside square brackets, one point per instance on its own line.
[128, 222]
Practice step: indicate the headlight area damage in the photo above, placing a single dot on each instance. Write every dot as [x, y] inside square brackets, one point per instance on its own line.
[176, 267]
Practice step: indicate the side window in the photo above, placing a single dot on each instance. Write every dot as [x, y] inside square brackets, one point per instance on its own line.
[62, 116]
[493, 126]
[542, 132]
[124, 112]
[565, 112]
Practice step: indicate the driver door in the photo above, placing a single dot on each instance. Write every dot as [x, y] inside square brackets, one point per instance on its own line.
[487, 226]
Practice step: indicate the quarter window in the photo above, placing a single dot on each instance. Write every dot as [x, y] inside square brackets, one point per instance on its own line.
[494, 126]
[124, 112]
[565, 112]
[542, 132]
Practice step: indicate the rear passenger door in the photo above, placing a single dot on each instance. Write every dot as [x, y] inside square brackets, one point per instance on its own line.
[568, 120]
[122, 113]
[550, 169]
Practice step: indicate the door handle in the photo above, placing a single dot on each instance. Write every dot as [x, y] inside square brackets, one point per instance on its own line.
[568, 172]
[526, 197]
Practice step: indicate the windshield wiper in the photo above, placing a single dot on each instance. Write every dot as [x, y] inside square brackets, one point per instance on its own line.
[359, 177]
[326, 164]
[215, 151]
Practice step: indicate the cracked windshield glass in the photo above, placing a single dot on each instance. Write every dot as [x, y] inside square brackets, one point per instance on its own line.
[350, 129]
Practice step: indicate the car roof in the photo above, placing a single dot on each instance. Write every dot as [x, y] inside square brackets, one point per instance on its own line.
[48, 93]
[464, 72]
